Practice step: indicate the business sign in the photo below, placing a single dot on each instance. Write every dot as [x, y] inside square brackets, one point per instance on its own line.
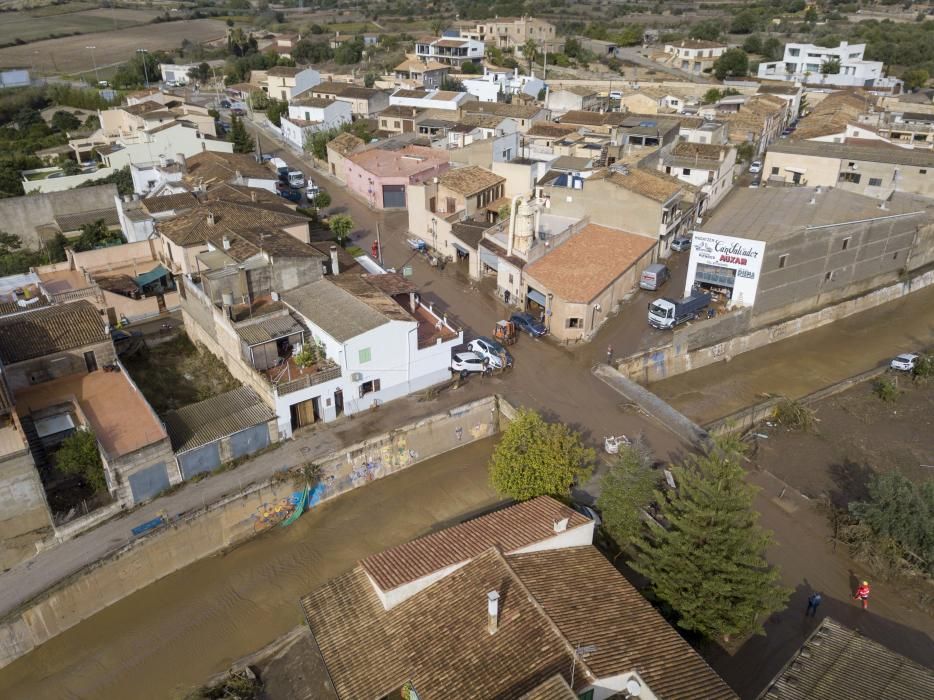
[740, 255]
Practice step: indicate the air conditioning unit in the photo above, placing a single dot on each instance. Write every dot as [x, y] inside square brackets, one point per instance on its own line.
[356, 377]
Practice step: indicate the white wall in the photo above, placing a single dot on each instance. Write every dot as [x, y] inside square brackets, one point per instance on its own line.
[579, 536]
[169, 142]
[177, 72]
[306, 80]
[59, 184]
[483, 90]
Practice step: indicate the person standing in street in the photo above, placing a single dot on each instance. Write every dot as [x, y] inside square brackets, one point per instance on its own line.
[814, 600]
[609, 354]
[862, 594]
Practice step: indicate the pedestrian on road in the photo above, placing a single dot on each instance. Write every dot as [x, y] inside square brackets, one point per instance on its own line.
[813, 601]
[862, 593]
[609, 354]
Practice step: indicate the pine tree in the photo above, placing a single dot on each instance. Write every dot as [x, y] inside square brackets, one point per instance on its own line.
[709, 564]
[242, 141]
[625, 490]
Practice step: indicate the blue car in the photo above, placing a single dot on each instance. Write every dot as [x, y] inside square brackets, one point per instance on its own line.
[526, 323]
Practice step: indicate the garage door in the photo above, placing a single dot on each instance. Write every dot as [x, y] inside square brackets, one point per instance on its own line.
[204, 459]
[394, 196]
[249, 441]
[149, 482]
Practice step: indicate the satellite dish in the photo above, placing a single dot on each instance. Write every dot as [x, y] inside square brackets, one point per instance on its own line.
[633, 687]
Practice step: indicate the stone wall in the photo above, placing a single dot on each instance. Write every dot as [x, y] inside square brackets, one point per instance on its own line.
[235, 519]
[62, 364]
[24, 514]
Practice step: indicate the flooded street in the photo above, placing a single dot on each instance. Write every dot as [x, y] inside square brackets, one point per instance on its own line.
[172, 635]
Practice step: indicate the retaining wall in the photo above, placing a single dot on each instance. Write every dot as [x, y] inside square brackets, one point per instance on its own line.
[677, 356]
[233, 520]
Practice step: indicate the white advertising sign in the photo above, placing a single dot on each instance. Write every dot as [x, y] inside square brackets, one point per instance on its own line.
[740, 255]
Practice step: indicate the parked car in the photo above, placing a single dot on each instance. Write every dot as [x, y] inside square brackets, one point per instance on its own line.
[526, 323]
[756, 167]
[283, 190]
[225, 104]
[497, 356]
[654, 276]
[905, 362]
[588, 512]
[681, 243]
[237, 112]
[465, 363]
[118, 334]
[755, 183]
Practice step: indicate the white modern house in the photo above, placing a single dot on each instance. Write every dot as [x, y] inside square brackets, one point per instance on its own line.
[430, 99]
[803, 63]
[494, 84]
[308, 115]
[452, 51]
[177, 72]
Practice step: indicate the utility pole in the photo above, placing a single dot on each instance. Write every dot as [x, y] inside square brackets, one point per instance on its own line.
[379, 246]
[143, 52]
[97, 77]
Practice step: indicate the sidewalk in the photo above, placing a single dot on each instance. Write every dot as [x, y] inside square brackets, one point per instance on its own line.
[30, 578]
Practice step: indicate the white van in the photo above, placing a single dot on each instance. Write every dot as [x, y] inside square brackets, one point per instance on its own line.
[654, 276]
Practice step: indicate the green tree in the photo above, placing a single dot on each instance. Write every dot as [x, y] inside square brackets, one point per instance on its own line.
[69, 166]
[772, 49]
[322, 200]
[831, 66]
[734, 62]
[744, 22]
[711, 96]
[753, 44]
[530, 51]
[201, 72]
[275, 110]
[708, 30]
[810, 15]
[65, 121]
[901, 510]
[78, 455]
[709, 562]
[9, 243]
[915, 78]
[625, 491]
[745, 152]
[242, 141]
[631, 35]
[96, 235]
[341, 225]
[537, 458]
[369, 80]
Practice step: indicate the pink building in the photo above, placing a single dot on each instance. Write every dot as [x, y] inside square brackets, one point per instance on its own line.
[382, 176]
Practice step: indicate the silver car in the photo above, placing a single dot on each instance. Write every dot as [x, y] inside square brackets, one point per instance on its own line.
[904, 362]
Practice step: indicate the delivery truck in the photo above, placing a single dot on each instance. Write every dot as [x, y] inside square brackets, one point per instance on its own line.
[668, 313]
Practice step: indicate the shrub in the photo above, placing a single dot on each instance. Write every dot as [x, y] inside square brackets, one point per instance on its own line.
[793, 415]
[886, 389]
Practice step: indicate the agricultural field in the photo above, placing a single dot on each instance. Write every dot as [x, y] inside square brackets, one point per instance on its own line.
[26, 26]
[69, 55]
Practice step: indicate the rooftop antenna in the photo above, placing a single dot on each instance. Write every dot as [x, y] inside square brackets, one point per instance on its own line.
[579, 653]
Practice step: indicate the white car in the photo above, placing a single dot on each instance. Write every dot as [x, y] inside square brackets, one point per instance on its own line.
[904, 362]
[494, 353]
[465, 363]
[756, 167]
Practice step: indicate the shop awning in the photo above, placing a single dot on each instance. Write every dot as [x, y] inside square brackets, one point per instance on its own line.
[800, 171]
[460, 249]
[536, 296]
[154, 275]
[488, 258]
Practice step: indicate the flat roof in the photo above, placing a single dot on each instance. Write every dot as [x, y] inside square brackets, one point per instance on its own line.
[589, 262]
[119, 416]
[772, 213]
[883, 153]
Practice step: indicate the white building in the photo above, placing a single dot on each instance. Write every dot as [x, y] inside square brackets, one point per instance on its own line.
[309, 115]
[709, 167]
[177, 72]
[452, 51]
[430, 99]
[803, 63]
[722, 262]
[495, 84]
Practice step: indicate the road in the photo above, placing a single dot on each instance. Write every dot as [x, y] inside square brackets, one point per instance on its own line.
[634, 54]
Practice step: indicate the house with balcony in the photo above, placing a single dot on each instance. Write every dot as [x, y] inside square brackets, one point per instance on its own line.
[708, 167]
[382, 175]
[511, 33]
[55, 363]
[309, 115]
[446, 100]
[570, 98]
[842, 66]
[364, 102]
[693, 55]
[451, 51]
[499, 85]
[285, 83]
[418, 73]
[525, 115]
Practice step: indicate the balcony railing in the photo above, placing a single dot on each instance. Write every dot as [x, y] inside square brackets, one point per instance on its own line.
[307, 380]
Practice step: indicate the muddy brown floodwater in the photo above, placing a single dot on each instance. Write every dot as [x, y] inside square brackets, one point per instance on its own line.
[173, 634]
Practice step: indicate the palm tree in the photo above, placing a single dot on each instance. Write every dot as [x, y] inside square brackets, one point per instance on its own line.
[530, 51]
[341, 225]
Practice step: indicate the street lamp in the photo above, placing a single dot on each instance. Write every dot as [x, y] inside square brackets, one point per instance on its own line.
[97, 77]
[143, 53]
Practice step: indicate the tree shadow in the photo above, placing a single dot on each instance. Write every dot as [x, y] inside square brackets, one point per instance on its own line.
[851, 480]
[751, 668]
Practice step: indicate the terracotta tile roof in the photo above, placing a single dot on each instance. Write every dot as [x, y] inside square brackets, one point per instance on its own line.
[509, 529]
[209, 420]
[550, 130]
[414, 65]
[651, 184]
[579, 90]
[319, 102]
[49, 330]
[579, 269]
[400, 111]
[142, 107]
[858, 150]
[832, 114]
[72, 222]
[501, 109]
[192, 227]
[838, 663]
[585, 118]
[348, 90]
[344, 144]
[591, 603]
[209, 167]
[555, 688]
[470, 179]
[451, 43]
[170, 202]
[416, 94]
[241, 194]
[485, 121]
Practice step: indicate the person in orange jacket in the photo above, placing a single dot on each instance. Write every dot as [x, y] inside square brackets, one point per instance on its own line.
[862, 593]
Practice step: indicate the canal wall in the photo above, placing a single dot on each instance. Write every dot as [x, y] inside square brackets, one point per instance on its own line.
[235, 519]
[718, 340]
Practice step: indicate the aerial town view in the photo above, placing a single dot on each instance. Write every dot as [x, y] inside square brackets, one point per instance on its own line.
[474, 349]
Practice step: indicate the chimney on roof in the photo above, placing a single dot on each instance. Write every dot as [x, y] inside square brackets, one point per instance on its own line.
[561, 525]
[335, 268]
[180, 161]
[253, 195]
[226, 243]
[210, 218]
[492, 611]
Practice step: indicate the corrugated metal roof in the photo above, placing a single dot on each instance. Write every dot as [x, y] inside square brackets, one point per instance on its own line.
[269, 330]
[212, 419]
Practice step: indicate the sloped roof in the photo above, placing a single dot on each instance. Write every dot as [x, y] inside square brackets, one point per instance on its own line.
[839, 663]
[214, 418]
[832, 114]
[555, 688]
[501, 109]
[336, 311]
[653, 185]
[470, 179]
[583, 266]
[72, 222]
[170, 202]
[508, 529]
[209, 167]
[192, 227]
[345, 143]
[550, 130]
[49, 330]
[870, 152]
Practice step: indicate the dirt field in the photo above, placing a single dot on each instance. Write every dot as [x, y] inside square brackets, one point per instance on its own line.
[857, 434]
[30, 26]
[69, 55]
